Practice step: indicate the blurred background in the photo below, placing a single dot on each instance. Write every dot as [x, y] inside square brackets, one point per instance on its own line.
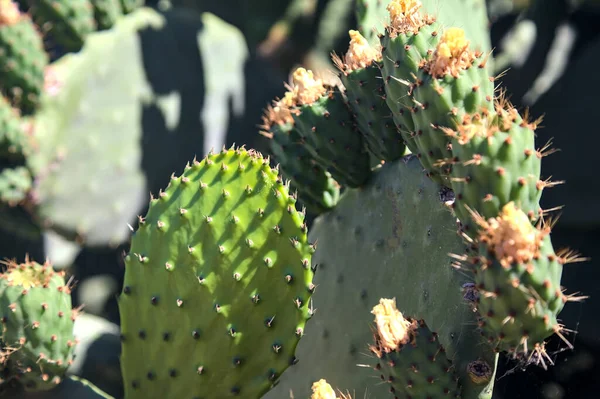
[182, 82]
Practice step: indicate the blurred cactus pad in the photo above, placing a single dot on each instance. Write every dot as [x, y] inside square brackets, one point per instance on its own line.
[325, 199]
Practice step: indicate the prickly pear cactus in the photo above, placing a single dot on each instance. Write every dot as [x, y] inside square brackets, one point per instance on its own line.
[22, 57]
[390, 238]
[220, 266]
[15, 183]
[129, 6]
[37, 319]
[14, 142]
[70, 21]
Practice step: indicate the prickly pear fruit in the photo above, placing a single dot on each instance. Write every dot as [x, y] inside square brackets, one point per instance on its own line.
[325, 125]
[322, 390]
[410, 356]
[15, 183]
[452, 83]
[70, 21]
[37, 324]
[408, 38]
[517, 274]
[106, 12]
[361, 76]
[219, 266]
[22, 57]
[495, 162]
[316, 188]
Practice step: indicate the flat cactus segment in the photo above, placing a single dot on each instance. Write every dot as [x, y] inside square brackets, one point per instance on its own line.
[22, 57]
[495, 162]
[217, 283]
[14, 142]
[410, 356]
[517, 274]
[470, 15]
[453, 83]
[15, 183]
[106, 12]
[359, 71]
[82, 124]
[324, 122]
[70, 21]
[390, 238]
[37, 324]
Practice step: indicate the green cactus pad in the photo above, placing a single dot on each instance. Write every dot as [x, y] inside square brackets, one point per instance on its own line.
[37, 321]
[453, 83]
[390, 238]
[518, 276]
[14, 142]
[22, 57]
[316, 188]
[495, 162]
[129, 6]
[106, 12]
[403, 49]
[15, 183]
[217, 283]
[70, 21]
[410, 356]
[361, 76]
[324, 122]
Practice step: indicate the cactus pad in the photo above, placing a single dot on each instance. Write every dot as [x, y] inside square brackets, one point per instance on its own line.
[14, 143]
[316, 188]
[70, 21]
[518, 277]
[37, 321]
[323, 121]
[495, 162]
[361, 76]
[219, 267]
[15, 183]
[130, 5]
[452, 83]
[390, 238]
[22, 57]
[410, 356]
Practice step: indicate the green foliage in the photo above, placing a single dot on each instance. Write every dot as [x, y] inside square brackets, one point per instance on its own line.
[15, 183]
[220, 265]
[106, 12]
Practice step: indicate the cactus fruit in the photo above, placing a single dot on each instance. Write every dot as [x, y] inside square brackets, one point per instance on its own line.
[517, 274]
[129, 6]
[322, 120]
[450, 85]
[495, 162]
[22, 57]
[37, 324]
[409, 37]
[389, 238]
[219, 266]
[70, 21]
[361, 76]
[14, 143]
[410, 356]
[15, 183]
[106, 12]
[322, 390]
[316, 188]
